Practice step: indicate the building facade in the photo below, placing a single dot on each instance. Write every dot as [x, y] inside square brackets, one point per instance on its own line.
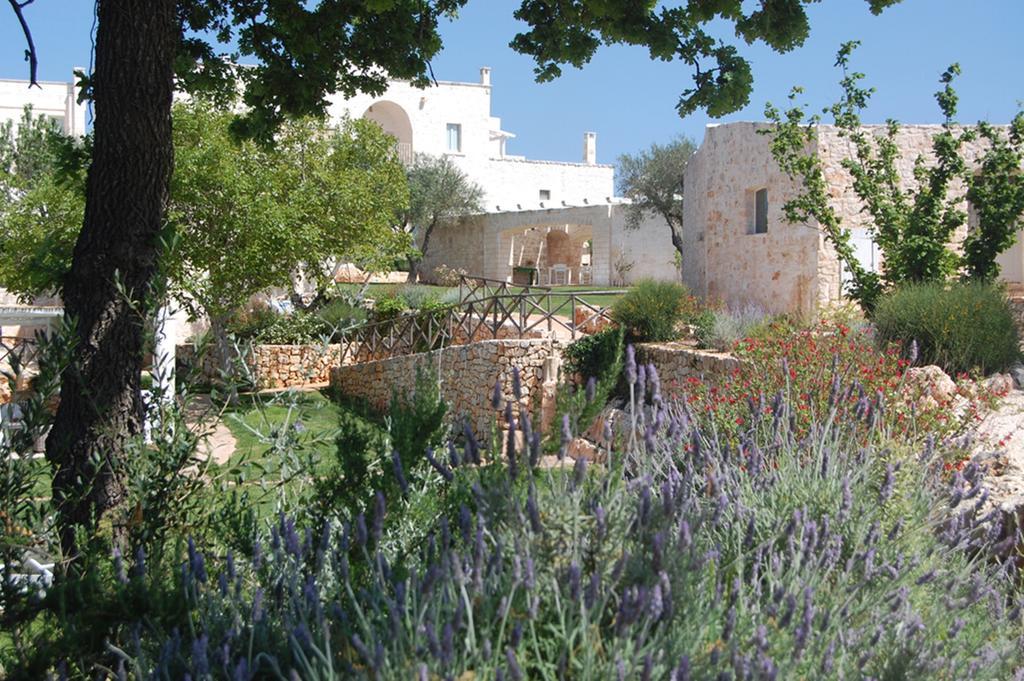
[738, 247]
[454, 120]
[55, 100]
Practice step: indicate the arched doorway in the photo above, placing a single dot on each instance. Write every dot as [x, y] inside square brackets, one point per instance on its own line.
[395, 122]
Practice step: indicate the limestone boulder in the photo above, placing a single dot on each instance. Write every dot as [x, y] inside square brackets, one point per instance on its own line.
[931, 381]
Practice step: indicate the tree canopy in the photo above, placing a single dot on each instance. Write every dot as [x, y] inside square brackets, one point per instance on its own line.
[438, 191]
[653, 179]
[242, 216]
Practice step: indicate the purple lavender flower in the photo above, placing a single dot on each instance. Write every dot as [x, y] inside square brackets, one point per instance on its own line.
[655, 382]
[641, 383]
[438, 466]
[630, 364]
[360, 647]
[200, 663]
[517, 385]
[573, 577]
[591, 389]
[396, 462]
[579, 472]
[360, 530]
[196, 562]
[648, 668]
[514, 672]
[472, 446]
[682, 670]
[533, 512]
[885, 491]
[912, 358]
[257, 605]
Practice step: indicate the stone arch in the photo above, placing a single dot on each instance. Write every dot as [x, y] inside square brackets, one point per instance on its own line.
[393, 119]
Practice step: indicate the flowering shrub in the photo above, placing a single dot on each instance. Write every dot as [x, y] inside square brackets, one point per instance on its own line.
[804, 368]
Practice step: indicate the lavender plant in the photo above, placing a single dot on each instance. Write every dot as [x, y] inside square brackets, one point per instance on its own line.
[686, 556]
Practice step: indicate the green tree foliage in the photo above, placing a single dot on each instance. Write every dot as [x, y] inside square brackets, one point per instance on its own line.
[996, 192]
[246, 216]
[335, 192]
[438, 191]
[570, 31]
[653, 179]
[41, 205]
[913, 226]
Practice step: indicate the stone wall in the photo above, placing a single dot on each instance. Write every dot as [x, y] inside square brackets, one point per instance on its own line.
[467, 374]
[791, 268]
[273, 366]
[676, 362]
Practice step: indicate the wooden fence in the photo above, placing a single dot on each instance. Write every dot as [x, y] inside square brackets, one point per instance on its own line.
[487, 310]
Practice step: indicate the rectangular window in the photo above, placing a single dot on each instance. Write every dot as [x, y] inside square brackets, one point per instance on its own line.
[759, 212]
[454, 137]
[545, 194]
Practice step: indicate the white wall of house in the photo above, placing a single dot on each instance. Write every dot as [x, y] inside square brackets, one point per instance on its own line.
[454, 119]
[490, 245]
[54, 99]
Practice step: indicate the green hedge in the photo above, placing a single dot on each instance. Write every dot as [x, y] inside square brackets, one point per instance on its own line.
[960, 327]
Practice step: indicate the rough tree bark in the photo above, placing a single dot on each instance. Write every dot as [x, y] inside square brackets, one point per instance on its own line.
[115, 259]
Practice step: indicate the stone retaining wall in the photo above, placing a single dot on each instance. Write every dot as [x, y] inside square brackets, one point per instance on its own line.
[274, 366]
[467, 374]
[677, 362]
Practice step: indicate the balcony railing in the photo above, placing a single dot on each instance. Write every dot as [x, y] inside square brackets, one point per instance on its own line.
[405, 153]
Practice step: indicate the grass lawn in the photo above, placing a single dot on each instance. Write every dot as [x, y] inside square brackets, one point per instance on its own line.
[558, 297]
[263, 424]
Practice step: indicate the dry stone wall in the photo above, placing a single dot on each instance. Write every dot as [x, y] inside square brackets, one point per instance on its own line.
[677, 362]
[467, 374]
[273, 366]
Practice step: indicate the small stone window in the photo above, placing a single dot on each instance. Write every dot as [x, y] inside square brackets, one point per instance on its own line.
[545, 194]
[454, 137]
[757, 211]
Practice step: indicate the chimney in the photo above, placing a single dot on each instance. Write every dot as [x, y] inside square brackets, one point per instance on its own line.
[590, 148]
[485, 75]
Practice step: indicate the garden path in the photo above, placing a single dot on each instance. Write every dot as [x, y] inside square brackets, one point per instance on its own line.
[1004, 428]
[215, 442]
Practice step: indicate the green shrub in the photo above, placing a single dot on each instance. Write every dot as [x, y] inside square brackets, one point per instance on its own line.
[388, 307]
[722, 329]
[297, 328]
[652, 310]
[960, 327]
[340, 313]
[247, 322]
[592, 355]
[598, 359]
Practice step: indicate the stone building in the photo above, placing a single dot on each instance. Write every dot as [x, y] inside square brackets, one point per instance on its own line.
[738, 246]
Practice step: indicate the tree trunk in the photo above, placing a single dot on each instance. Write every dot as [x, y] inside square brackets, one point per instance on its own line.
[414, 265]
[115, 260]
[677, 241]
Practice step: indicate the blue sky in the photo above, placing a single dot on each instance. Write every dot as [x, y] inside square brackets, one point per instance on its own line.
[629, 100]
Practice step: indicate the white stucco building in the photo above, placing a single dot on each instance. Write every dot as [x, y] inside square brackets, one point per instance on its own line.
[55, 100]
[454, 120]
[558, 219]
